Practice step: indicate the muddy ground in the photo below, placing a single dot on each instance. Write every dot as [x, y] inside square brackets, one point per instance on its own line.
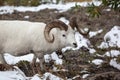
[77, 62]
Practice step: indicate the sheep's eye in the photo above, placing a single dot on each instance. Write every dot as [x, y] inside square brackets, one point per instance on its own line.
[64, 35]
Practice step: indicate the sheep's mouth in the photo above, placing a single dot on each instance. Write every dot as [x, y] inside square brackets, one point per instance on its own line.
[75, 45]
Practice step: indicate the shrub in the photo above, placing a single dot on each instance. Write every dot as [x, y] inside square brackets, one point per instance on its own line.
[114, 4]
[94, 11]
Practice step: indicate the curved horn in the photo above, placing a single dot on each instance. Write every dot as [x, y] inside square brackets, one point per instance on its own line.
[54, 24]
[73, 24]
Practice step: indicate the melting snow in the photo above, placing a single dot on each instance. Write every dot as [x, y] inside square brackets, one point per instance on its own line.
[112, 53]
[112, 38]
[115, 64]
[36, 77]
[11, 75]
[60, 7]
[13, 60]
[92, 34]
[55, 57]
[16, 75]
[26, 17]
[97, 61]
[81, 41]
[85, 75]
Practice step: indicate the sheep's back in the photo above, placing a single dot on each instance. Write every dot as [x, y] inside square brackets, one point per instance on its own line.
[15, 35]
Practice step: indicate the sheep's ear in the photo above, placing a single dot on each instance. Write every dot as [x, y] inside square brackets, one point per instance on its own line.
[54, 24]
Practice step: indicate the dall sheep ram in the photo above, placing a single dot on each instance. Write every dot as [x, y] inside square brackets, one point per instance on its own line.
[20, 37]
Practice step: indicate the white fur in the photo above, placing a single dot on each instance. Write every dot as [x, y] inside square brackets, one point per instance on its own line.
[19, 37]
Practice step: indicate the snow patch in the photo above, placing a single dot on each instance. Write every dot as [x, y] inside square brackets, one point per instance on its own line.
[26, 17]
[15, 59]
[54, 57]
[51, 77]
[115, 64]
[85, 75]
[94, 33]
[60, 7]
[11, 75]
[36, 77]
[16, 75]
[112, 38]
[81, 42]
[47, 58]
[112, 53]
[97, 61]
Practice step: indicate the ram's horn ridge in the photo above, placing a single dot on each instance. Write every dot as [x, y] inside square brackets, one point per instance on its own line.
[54, 24]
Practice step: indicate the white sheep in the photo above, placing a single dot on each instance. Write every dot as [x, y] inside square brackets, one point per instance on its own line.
[20, 37]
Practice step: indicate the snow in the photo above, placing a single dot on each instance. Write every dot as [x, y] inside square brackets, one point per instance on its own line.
[115, 64]
[112, 38]
[85, 75]
[75, 77]
[112, 53]
[60, 7]
[47, 58]
[16, 74]
[36, 77]
[51, 76]
[13, 60]
[94, 33]
[26, 17]
[81, 41]
[11, 75]
[97, 61]
[55, 57]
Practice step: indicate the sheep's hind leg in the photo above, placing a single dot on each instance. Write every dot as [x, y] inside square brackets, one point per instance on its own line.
[2, 60]
[4, 66]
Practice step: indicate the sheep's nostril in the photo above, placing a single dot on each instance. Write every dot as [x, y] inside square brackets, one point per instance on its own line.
[75, 44]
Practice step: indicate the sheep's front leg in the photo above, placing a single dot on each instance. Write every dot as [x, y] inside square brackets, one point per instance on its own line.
[2, 60]
[41, 58]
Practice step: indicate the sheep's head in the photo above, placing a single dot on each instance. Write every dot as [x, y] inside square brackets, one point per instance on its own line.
[67, 38]
[65, 34]
[50, 26]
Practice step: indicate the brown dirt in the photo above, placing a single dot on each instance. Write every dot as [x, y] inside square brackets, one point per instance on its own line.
[77, 61]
